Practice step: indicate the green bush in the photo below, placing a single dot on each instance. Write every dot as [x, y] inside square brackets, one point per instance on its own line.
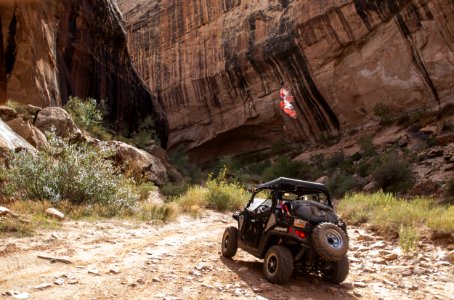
[450, 188]
[75, 172]
[223, 195]
[341, 184]
[171, 189]
[87, 114]
[383, 112]
[393, 174]
[180, 160]
[367, 146]
[143, 137]
[336, 160]
[285, 167]
[408, 238]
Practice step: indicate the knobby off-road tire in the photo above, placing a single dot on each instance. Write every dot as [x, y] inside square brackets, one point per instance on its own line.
[330, 242]
[229, 242]
[278, 265]
[335, 271]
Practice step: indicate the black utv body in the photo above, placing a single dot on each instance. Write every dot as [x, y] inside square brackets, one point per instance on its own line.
[291, 224]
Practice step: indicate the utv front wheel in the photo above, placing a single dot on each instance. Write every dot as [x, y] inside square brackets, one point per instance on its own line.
[330, 242]
[229, 242]
[278, 265]
[335, 271]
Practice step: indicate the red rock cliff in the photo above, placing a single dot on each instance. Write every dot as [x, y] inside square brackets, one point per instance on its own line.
[216, 65]
[53, 49]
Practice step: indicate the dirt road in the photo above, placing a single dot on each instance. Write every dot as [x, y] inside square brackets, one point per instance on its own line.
[181, 260]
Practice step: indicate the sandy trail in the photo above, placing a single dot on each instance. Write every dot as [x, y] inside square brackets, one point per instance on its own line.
[181, 260]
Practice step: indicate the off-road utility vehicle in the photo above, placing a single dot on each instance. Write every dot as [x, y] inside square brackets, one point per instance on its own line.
[291, 224]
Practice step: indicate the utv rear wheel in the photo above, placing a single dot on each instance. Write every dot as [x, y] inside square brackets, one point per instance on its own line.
[335, 271]
[278, 265]
[330, 242]
[229, 242]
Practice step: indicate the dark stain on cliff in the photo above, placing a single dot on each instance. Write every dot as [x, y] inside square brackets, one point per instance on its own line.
[3, 77]
[385, 9]
[93, 61]
[10, 51]
[281, 46]
[417, 60]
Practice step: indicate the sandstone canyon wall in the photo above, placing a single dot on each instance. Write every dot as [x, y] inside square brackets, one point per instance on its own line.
[53, 49]
[216, 65]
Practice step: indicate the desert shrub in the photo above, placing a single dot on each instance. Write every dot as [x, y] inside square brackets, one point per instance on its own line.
[317, 160]
[279, 147]
[408, 238]
[336, 160]
[180, 160]
[144, 136]
[144, 189]
[384, 113]
[341, 184]
[160, 212]
[285, 167]
[363, 168]
[172, 189]
[193, 201]
[87, 114]
[367, 146]
[393, 174]
[224, 195]
[78, 173]
[449, 190]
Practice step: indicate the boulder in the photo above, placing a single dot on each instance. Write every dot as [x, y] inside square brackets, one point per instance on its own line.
[7, 113]
[172, 173]
[445, 139]
[435, 152]
[425, 187]
[429, 130]
[32, 110]
[140, 162]
[4, 211]
[57, 118]
[55, 213]
[29, 132]
[10, 141]
[370, 187]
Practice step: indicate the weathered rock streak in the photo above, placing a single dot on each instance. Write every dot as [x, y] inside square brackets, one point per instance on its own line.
[216, 66]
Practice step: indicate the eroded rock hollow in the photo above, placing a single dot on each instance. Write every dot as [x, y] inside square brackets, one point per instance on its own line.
[216, 65]
[53, 49]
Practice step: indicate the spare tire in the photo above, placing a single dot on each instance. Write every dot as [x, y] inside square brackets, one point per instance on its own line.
[330, 242]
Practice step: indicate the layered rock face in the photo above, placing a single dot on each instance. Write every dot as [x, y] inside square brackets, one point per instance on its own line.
[216, 65]
[53, 49]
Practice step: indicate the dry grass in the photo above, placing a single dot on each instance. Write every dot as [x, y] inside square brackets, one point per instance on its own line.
[29, 217]
[388, 212]
[194, 201]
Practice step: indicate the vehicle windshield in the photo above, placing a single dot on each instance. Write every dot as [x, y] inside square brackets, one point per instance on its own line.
[261, 199]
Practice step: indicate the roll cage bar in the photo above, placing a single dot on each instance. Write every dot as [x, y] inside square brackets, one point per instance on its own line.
[296, 186]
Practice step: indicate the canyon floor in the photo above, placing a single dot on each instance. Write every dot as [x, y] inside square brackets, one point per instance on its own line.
[181, 260]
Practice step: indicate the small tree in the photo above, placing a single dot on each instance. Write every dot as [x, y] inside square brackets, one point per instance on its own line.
[393, 174]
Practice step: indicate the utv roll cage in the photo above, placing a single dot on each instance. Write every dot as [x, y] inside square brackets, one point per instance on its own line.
[299, 187]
